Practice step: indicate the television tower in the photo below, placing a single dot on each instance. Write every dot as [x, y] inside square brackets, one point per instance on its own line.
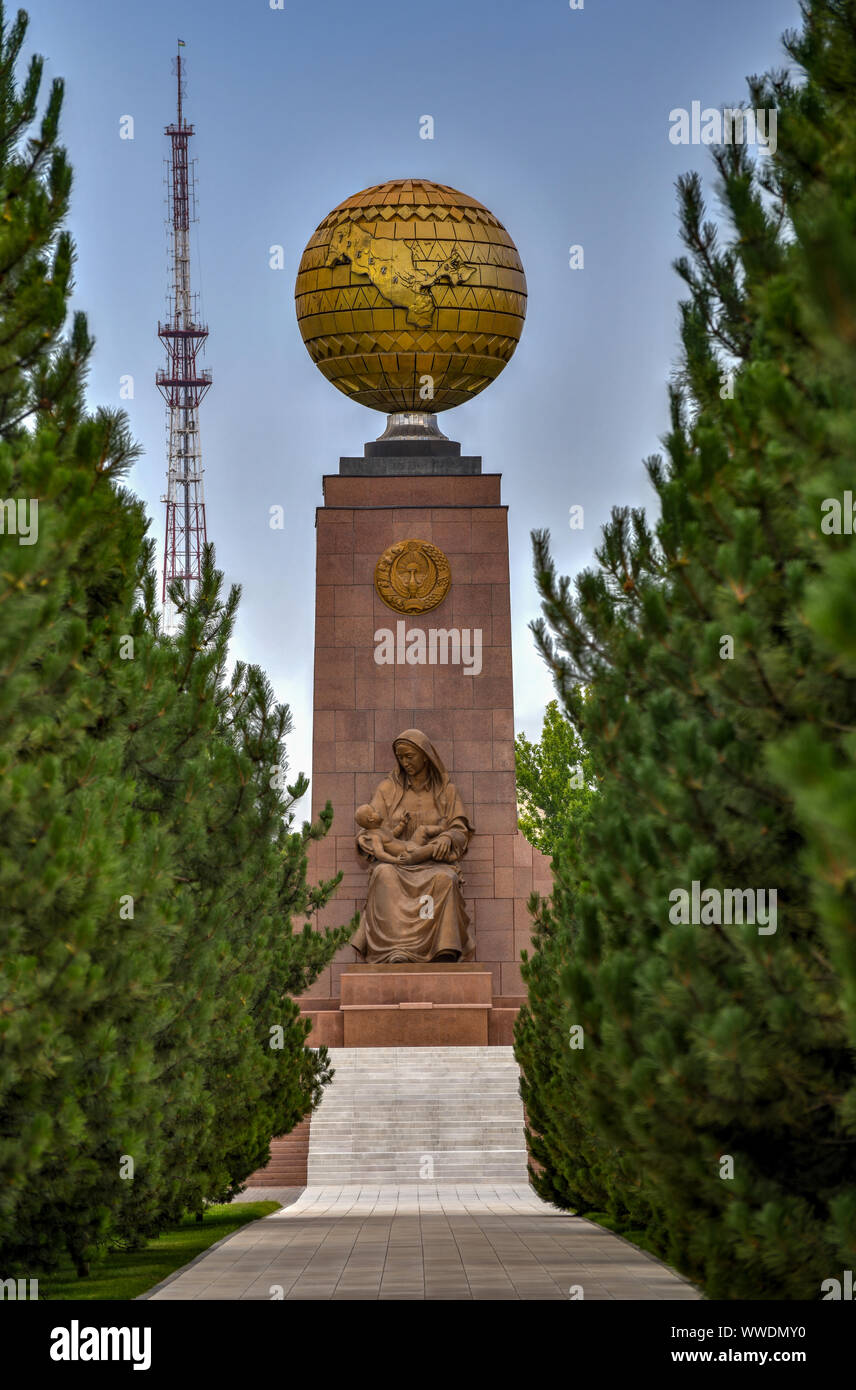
[182, 383]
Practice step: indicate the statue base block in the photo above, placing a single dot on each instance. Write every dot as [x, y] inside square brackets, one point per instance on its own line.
[416, 1005]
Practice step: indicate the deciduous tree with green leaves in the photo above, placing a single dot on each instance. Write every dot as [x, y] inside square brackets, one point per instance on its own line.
[554, 782]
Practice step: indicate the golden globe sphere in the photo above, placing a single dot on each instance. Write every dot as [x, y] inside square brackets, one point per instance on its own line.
[410, 296]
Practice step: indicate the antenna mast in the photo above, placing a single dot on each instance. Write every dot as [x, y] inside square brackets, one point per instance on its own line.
[182, 384]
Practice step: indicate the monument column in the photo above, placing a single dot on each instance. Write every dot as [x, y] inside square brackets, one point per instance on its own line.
[406, 288]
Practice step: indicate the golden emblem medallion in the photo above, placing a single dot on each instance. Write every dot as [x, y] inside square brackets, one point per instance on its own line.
[412, 576]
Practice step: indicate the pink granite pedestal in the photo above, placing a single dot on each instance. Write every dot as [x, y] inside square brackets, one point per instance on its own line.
[361, 706]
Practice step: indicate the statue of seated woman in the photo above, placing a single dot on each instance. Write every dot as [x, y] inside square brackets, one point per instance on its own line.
[414, 832]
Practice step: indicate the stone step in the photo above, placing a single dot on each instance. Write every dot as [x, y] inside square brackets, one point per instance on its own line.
[289, 1154]
[513, 1171]
[345, 1125]
[437, 1094]
[441, 1124]
[380, 1075]
[511, 1161]
[431, 1090]
[419, 1137]
[456, 1079]
[425, 1105]
[391, 1113]
[473, 1049]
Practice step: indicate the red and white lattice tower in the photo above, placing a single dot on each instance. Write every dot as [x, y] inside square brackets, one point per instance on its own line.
[182, 384]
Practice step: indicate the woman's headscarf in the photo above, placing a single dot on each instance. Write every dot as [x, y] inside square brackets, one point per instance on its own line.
[424, 744]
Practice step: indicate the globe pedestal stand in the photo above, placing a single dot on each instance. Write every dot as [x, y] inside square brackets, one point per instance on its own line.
[405, 450]
[411, 424]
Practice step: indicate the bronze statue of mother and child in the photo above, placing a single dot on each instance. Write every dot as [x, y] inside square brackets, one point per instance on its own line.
[415, 833]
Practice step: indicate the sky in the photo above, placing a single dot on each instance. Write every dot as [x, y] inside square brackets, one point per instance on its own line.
[557, 119]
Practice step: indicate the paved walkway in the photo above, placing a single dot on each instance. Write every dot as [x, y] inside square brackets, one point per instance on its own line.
[425, 1241]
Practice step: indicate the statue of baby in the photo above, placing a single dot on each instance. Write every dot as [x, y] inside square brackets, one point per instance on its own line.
[382, 839]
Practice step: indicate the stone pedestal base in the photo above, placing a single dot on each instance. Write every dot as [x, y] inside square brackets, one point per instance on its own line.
[289, 1156]
[431, 1005]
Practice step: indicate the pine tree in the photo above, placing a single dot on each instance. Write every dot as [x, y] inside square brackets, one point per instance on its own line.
[150, 874]
[815, 762]
[64, 585]
[208, 764]
[712, 1101]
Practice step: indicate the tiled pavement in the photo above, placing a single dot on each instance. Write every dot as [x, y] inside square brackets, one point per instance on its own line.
[423, 1241]
[284, 1195]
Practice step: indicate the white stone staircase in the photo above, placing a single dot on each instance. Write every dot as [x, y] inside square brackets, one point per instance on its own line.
[419, 1114]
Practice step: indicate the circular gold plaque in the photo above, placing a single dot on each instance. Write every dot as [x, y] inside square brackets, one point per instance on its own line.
[412, 576]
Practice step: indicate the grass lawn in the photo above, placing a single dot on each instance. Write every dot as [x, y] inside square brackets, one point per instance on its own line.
[123, 1274]
[636, 1236]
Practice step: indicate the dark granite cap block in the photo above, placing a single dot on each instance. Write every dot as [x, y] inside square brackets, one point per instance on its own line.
[402, 448]
[409, 465]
